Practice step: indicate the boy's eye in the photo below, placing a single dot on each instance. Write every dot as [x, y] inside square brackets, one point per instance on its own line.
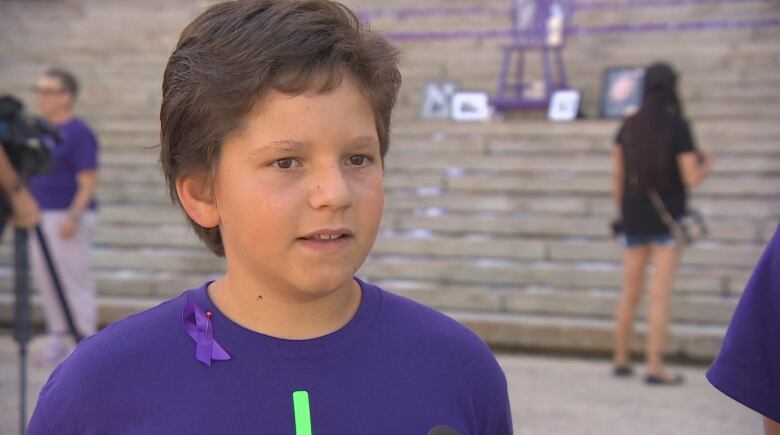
[285, 163]
[358, 160]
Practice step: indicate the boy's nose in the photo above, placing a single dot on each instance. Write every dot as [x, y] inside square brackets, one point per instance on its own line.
[330, 189]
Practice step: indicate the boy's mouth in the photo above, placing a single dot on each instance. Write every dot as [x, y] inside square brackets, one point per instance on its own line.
[326, 235]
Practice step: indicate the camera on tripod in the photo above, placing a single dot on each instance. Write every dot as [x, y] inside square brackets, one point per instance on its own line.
[23, 139]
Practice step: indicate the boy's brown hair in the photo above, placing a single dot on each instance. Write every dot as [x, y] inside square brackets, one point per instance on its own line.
[234, 53]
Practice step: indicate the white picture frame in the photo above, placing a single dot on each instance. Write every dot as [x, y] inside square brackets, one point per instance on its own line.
[470, 106]
[564, 105]
[437, 100]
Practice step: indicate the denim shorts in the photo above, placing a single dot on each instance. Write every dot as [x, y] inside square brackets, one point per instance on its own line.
[664, 239]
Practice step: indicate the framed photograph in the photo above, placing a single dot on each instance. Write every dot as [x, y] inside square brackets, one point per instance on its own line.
[470, 106]
[564, 105]
[437, 100]
[621, 91]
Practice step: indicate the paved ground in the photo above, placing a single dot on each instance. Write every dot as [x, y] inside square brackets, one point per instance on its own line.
[549, 395]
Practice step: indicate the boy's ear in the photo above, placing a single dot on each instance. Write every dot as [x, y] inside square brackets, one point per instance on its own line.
[195, 195]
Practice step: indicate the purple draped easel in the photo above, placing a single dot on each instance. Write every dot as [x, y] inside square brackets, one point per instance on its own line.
[537, 26]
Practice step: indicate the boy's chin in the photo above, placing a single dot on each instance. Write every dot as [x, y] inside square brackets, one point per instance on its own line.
[316, 285]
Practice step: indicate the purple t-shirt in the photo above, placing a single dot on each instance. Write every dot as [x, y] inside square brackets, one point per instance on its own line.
[75, 152]
[748, 367]
[396, 367]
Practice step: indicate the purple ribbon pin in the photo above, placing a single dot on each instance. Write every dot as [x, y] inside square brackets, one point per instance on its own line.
[200, 329]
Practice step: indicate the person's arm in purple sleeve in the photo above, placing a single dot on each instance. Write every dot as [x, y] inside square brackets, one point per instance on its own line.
[493, 411]
[748, 366]
[86, 177]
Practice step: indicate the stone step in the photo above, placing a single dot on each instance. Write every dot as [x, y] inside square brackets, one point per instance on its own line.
[709, 109]
[533, 235]
[148, 258]
[115, 239]
[587, 275]
[533, 332]
[692, 88]
[742, 256]
[164, 215]
[720, 186]
[717, 185]
[453, 164]
[408, 113]
[131, 283]
[705, 45]
[574, 164]
[150, 99]
[593, 129]
[144, 195]
[564, 205]
[504, 330]
[197, 261]
[675, 13]
[476, 205]
[586, 128]
[576, 303]
[735, 230]
[698, 102]
[111, 236]
[499, 17]
[484, 73]
[699, 97]
[577, 51]
[144, 150]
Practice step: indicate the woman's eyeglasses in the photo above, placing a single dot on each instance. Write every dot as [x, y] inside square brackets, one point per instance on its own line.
[47, 91]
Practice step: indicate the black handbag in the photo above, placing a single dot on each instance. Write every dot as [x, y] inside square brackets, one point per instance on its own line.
[689, 228]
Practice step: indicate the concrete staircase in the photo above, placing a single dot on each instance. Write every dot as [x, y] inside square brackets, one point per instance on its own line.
[503, 224]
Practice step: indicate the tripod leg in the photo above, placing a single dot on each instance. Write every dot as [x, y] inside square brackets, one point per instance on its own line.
[22, 323]
[55, 278]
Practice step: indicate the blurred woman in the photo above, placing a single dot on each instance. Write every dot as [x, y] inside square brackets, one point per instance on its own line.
[654, 154]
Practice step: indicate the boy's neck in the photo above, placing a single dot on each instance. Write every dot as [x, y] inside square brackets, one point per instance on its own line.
[284, 318]
[59, 118]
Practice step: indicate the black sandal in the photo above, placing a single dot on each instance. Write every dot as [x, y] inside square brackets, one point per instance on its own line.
[623, 371]
[657, 380]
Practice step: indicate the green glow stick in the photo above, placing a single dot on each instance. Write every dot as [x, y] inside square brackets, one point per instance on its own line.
[302, 413]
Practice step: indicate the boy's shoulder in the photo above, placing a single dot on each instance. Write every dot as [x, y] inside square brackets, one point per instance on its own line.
[416, 318]
[437, 350]
[154, 327]
[415, 327]
[124, 352]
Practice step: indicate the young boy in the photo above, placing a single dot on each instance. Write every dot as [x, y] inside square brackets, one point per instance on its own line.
[275, 122]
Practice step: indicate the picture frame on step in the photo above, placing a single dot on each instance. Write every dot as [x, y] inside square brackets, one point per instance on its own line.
[621, 91]
[437, 99]
[564, 105]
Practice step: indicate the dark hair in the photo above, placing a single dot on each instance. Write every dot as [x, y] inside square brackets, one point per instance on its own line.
[648, 134]
[230, 56]
[67, 80]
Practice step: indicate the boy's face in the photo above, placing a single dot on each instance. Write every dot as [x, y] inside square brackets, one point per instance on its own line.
[299, 192]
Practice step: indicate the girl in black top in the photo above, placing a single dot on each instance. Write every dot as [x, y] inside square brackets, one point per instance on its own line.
[654, 152]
